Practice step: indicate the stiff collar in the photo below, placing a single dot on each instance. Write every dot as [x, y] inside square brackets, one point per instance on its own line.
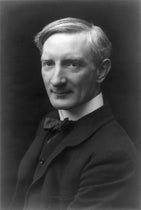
[83, 109]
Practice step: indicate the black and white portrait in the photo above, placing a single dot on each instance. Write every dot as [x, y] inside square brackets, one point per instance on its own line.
[70, 105]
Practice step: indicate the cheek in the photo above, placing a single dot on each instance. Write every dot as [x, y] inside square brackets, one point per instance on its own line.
[45, 77]
[86, 84]
[80, 86]
[85, 81]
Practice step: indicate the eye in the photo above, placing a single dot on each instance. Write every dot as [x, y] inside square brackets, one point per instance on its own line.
[73, 63]
[47, 63]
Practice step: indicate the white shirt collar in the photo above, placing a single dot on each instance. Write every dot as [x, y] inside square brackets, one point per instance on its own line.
[83, 109]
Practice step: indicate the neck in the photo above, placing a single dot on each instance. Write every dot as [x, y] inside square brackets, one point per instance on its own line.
[83, 109]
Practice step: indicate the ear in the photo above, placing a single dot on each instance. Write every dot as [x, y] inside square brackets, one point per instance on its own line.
[103, 70]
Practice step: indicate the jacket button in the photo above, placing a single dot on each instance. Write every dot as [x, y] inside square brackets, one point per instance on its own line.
[48, 141]
[42, 161]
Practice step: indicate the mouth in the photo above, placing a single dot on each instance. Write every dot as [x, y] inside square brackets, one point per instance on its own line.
[60, 93]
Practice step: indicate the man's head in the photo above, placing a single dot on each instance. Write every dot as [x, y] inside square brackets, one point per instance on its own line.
[75, 61]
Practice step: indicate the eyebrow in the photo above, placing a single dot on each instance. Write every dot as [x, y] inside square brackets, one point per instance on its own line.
[73, 59]
[65, 60]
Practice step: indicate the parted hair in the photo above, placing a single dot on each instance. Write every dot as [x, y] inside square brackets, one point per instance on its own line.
[100, 45]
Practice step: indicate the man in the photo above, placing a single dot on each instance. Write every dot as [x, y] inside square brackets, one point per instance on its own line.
[85, 161]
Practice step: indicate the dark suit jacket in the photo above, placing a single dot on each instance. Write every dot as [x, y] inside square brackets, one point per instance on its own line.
[93, 167]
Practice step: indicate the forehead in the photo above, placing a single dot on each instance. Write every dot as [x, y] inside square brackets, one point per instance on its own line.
[64, 43]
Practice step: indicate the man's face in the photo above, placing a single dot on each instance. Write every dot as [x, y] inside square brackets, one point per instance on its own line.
[68, 70]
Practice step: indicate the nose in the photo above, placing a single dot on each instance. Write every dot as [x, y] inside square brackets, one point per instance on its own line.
[58, 77]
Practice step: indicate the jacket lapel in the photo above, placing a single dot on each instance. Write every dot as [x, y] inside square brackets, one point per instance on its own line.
[83, 128]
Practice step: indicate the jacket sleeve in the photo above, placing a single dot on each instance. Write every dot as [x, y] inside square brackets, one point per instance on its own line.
[107, 182]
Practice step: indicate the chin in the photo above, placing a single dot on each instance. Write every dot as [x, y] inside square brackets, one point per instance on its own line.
[64, 106]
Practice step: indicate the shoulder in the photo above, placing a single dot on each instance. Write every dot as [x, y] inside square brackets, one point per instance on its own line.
[108, 139]
[113, 137]
[113, 147]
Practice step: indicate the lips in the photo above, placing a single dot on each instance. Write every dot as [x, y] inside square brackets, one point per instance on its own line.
[60, 92]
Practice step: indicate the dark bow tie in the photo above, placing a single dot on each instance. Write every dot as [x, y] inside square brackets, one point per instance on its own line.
[56, 125]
